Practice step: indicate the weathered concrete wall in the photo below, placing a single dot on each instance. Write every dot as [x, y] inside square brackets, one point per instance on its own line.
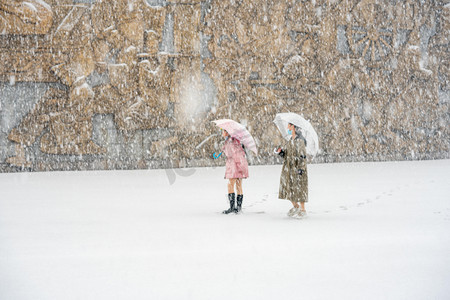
[135, 84]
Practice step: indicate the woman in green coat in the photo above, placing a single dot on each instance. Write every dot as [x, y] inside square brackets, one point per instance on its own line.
[294, 174]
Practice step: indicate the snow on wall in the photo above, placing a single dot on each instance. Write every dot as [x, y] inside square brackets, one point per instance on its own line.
[125, 85]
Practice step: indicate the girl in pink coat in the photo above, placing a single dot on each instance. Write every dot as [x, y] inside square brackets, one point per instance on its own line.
[236, 170]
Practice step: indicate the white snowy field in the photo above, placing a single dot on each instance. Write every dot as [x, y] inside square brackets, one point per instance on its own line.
[374, 231]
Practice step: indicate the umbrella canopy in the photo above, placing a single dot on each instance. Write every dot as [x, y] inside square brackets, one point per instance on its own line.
[312, 140]
[239, 132]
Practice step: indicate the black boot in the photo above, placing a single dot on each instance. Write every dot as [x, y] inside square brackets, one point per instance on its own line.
[239, 202]
[231, 199]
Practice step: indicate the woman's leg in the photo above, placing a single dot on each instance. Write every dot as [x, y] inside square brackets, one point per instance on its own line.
[303, 206]
[294, 209]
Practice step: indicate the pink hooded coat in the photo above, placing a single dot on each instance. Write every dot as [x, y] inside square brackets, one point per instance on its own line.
[236, 164]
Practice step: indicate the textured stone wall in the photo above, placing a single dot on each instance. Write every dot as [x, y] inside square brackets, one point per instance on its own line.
[136, 83]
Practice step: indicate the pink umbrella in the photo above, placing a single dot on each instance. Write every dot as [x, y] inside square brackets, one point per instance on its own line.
[239, 132]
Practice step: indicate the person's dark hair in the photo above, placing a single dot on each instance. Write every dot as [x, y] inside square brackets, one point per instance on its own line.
[298, 134]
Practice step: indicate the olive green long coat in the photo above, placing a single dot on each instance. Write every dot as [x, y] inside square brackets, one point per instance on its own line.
[294, 174]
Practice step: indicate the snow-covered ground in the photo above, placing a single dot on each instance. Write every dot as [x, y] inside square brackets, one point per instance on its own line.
[374, 231]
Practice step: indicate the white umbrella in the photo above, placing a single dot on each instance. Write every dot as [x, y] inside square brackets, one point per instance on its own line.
[312, 140]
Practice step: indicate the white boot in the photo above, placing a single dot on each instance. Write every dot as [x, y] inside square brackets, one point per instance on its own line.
[293, 211]
[301, 214]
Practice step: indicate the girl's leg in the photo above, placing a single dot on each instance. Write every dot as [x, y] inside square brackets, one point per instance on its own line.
[240, 196]
[295, 204]
[231, 196]
[231, 184]
[239, 186]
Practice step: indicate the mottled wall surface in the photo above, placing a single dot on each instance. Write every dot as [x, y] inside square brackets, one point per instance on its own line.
[136, 83]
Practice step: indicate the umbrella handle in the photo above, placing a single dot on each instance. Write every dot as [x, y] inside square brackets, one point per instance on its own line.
[216, 156]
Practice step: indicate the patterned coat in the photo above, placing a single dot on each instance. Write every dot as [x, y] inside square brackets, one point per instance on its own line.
[294, 174]
[236, 164]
